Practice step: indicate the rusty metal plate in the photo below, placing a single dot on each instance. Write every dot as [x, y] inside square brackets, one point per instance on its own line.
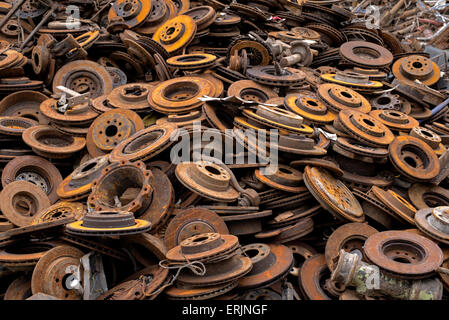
[403, 254]
[110, 129]
[192, 222]
[332, 194]
[349, 237]
[271, 262]
[20, 201]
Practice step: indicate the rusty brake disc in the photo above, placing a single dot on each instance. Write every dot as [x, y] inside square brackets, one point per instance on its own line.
[192, 222]
[416, 67]
[366, 54]
[414, 159]
[54, 269]
[110, 129]
[271, 262]
[61, 210]
[49, 142]
[251, 91]
[134, 12]
[21, 201]
[339, 98]
[24, 104]
[434, 222]
[424, 196]
[78, 184]
[364, 128]
[403, 254]
[36, 170]
[176, 33]
[285, 178]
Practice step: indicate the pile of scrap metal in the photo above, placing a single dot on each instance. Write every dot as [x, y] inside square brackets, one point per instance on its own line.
[269, 150]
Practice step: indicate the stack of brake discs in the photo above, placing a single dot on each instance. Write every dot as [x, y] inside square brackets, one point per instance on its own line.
[220, 149]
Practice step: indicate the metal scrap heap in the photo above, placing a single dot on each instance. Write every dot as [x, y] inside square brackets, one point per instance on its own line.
[217, 149]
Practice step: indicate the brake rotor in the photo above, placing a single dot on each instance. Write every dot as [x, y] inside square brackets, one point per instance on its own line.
[251, 91]
[246, 223]
[180, 94]
[204, 247]
[366, 54]
[287, 233]
[122, 186]
[205, 293]
[327, 164]
[349, 237]
[364, 128]
[183, 119]
[176, 33]
[60, 210]
[163, 198]
[78, 184]
[395, 120]
[145, 284]
[203, 16]
[50, 143]
[309, 106]
[83, 76]
[278, 118]
[416, 67]
[428, 136]
[218, 273]
[396, 203]
[24, 104]
[110, 129]
[24, 256]
[108, 223]
[388, 101]
[434, 222]
[285, 178]
[424, 196]
[21, 201]
[207, 179]
[353, 149]
[258, 53]
[19, 289]
[332, 194]
[414, 159]
[131, 96]
[192, 61]
[271, 76]
[403, 254]
[192, 222]
[146, 248]
[312, 277]
[15, 126]
[271, 262]
[133, 12]
[298, 144]
[79, 114]
[144, 144]
[36, 170]
[53, 271]
[339, 98]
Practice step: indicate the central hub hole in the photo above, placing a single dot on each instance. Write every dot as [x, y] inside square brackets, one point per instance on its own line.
[312, 103]
[170, 30]
[401, 260]
[251, 253]
[213, 170]
[200, 239]
[384, 101]
[346, 94]
[368, 122]
[427, 134]
[417, 65]
[111, 131]
[286, 171]
[135, 91]
[127, 7]
[88, 167]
